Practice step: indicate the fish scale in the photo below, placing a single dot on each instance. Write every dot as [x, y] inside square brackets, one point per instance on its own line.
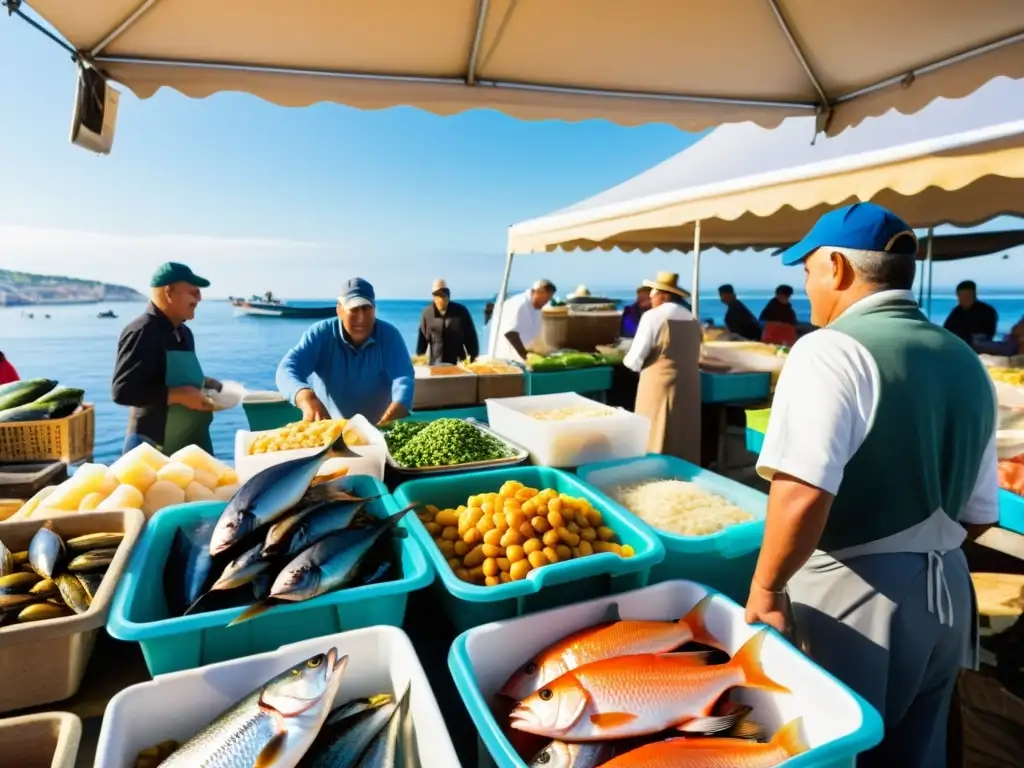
[234, 740]
[639, 636]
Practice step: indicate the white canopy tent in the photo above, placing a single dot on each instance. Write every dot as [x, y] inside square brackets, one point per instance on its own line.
[694, 65]
[958, 162]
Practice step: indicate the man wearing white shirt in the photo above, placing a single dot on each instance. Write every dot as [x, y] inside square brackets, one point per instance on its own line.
[666, 352]
[882, 459]
[521, 321]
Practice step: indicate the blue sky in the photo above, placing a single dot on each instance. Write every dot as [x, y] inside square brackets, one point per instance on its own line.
[261, 197]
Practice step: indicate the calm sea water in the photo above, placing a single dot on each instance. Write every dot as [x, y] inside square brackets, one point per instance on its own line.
[78, 349]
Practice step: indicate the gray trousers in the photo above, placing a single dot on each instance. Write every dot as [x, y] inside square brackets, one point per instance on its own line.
[874, 622]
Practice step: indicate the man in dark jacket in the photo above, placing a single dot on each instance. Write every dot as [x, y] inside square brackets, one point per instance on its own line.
[738, 319]
[971, 320]
[446, 329]
[779, 309]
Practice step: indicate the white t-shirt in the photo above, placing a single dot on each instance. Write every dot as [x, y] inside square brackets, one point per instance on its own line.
[517, 315]
[648, 331]
[823, 408]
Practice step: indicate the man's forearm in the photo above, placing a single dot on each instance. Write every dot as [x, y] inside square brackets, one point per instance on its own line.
[394, 411]
[516, 341]
[796, 519]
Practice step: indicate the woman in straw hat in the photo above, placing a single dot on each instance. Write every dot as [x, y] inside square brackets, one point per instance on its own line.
[665, 352]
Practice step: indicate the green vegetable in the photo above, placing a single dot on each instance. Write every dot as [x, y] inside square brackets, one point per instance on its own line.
[23, 392]
[442, 443]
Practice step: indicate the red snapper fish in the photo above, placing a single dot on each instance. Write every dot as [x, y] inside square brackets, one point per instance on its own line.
[641, 695]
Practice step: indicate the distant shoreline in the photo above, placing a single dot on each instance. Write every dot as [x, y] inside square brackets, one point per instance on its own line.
[73, 302]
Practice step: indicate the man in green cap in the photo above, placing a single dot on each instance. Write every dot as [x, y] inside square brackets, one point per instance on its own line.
[157, 373]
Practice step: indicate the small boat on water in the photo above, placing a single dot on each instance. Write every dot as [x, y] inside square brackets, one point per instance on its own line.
[270, 306]
[105, 315]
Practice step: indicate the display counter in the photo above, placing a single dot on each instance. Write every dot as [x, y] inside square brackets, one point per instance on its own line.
[272, 415]
[584, 381]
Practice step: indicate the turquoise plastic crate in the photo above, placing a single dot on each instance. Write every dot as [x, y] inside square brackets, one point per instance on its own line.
[264, 416]
[139, 610]
[1011, 511]
[839, 721]
[734, 387]
[469, 605]
[478, 412]
[724, 560]
[755, 441]
[582, 380]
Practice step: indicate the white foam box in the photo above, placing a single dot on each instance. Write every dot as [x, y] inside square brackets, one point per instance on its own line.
[573, 442]
[837, 723]
[370, 461]
[179, 705]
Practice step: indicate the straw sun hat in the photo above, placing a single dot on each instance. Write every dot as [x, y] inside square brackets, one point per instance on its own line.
[667, 282]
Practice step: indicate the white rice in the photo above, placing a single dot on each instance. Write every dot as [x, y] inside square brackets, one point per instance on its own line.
[676, 506]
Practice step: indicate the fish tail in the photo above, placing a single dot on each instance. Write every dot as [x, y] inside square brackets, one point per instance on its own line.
[254, 610]
[748, 659]
[790, 738]
[695, 620]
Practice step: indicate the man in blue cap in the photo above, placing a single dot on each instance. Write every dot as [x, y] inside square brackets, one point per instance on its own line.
[157, 373]
[355, 364]
[882, 460]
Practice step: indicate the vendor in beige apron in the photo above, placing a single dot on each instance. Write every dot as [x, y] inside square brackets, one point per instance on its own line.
[882, 460]
[157, 373]
[666, 352]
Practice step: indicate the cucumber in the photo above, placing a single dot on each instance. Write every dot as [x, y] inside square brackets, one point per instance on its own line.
[67, 398]
[19, 393]
[30, 412]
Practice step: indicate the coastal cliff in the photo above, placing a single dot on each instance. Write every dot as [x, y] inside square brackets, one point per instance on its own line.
[27, 289]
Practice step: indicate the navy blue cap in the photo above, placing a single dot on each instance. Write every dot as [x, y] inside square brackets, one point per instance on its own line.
[862, 226]
[357, 293]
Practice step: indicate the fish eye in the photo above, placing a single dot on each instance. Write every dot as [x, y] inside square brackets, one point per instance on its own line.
[546, 694]
[544, 757]
[314, 662]
[530, 668]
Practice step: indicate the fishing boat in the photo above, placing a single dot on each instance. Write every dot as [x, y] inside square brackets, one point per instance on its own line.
[270, 306]
[105, 315]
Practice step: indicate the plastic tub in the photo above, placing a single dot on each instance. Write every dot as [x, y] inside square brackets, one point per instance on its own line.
[46, 740]
[469, 605]
[724, 560]
[176, 706]
[42, 662]
[370, 461]
[139, 612]
[734, 387]
[755, 441]
[837, 723]
[268, 410]
[1011, 511]
[569, 443]
[596, 379]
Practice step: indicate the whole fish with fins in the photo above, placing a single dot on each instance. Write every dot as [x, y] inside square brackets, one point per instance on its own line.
[269, 494]
[272, 727]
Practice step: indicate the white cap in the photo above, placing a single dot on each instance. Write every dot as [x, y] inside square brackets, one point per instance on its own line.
[439, 285]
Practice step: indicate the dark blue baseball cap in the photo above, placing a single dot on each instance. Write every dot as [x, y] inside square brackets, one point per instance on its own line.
[357, 293]
[863, 226]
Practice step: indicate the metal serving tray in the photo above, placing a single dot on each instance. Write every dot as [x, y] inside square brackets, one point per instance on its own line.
[520, 456]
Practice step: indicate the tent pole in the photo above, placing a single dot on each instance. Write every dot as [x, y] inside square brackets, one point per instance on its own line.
[499, 305]
[931, 269]
[694, 298]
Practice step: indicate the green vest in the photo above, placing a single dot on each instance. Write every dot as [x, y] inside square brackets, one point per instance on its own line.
[933, 421]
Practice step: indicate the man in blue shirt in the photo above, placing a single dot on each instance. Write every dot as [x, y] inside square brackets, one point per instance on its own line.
[355, 364]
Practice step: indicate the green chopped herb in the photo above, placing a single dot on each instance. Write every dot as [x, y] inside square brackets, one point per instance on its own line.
[442, 443]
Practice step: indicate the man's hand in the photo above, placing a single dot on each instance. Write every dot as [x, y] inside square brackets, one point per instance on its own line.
[189, 397]
[310, 405]
[768, 607]
[394, 411]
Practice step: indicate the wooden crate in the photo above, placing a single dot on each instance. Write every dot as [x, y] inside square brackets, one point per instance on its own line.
[500, 385]
[445, 391]
[69, 440]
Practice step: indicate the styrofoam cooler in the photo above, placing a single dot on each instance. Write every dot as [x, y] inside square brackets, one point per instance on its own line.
[370, 461]
[724, 560]
[837, 723]
[569, 443]
[178, 705]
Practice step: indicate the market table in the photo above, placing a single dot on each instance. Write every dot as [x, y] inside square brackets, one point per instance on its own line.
[592, 382]
[264, 416]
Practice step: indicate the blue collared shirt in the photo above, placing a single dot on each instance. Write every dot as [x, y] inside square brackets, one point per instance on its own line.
[349, 380]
